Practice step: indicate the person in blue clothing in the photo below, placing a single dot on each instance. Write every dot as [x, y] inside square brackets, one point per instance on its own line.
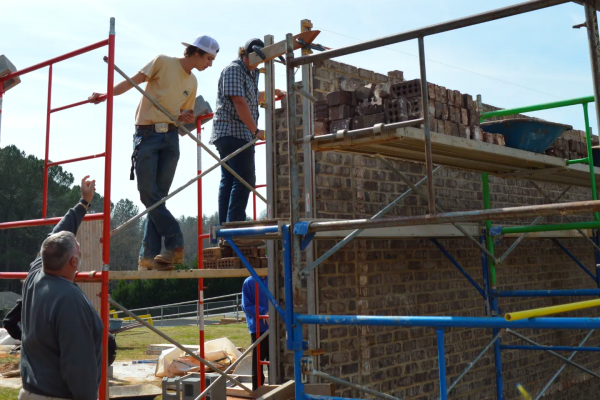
[249, 307]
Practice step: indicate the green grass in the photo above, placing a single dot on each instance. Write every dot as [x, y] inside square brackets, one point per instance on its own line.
[8, 394]
[132, 344]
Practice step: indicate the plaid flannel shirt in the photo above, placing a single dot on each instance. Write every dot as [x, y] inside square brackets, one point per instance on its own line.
[236, 80]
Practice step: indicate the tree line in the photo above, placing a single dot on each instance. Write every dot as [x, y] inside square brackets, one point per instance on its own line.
[21, 182]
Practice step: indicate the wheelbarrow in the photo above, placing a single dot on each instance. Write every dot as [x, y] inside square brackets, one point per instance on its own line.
[527, 134]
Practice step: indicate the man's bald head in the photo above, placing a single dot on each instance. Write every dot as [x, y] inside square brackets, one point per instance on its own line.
[58, 249]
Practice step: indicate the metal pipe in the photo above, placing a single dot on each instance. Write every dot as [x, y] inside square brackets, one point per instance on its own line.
[438, 208]
[590, 158]
[450, 322]
[562, 367]
[323, 375]
[288, 290]
[458, 266]
[442, 364]
[591, 21]
[104, 308]
[189, 183]
[47, 147]
[460, 216]
[472, 363]
[200, 246]
[79, 277]
[72, 160]
[362, 131]
[426, 131]
[568, 253]
[357, 232]
[555, 348]
[79, 103]
[535, 222]
[544, 228]
[178, 345]
[543, 311]
[187, 132]
[581, 232]
[234, 364]
[553, 353]
[548, 293]
[537, 107]
[255, 231]
[54, 60]
[475, 19]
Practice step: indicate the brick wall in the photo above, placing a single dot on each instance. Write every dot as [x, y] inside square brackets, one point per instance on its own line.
[412, 277]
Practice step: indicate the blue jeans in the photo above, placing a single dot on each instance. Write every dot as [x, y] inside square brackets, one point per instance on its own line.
[233, 195]
[157, 158]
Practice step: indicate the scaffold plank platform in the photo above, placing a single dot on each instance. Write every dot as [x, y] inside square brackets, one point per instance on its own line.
[184, 274]
[455, 152]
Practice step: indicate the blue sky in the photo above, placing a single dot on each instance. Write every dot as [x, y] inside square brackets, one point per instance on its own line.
[527, 59]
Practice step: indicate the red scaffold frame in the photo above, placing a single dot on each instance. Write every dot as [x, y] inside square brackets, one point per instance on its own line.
[102, 276]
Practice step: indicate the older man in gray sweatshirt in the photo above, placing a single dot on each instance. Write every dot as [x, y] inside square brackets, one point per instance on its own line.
[61, 352]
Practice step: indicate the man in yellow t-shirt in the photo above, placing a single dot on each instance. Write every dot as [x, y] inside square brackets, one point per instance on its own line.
[156, 143]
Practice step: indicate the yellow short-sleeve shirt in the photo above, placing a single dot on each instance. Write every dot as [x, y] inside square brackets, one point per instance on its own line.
[170, 85]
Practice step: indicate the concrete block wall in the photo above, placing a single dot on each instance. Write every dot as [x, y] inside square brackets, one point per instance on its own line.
[412, 277]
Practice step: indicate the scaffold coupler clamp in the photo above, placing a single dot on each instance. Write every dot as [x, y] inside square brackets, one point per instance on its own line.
[311, 46]
[307, 367]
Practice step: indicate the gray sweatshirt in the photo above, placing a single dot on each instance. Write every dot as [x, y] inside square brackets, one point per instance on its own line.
[61, 354]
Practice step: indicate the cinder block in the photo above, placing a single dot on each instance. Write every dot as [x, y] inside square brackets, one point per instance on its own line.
[340, 125]
[6, 67]
[415, 108]
[453, 113]
[445, 112]
[341, 111]
[229, 263]
[448, 128]
[440, 94]
[407, 89]
[396, 110]
[341, 97]
[454, 129]
[383, 91]
[396, 76]
[440, 126]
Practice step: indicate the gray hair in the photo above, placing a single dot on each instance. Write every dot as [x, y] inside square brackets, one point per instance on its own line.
[57, 250]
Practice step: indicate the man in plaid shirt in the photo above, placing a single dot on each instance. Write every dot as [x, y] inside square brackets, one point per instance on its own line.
[234, 125]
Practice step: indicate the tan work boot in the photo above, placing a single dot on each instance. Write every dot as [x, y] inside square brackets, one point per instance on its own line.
[172, 256]
[149, 264]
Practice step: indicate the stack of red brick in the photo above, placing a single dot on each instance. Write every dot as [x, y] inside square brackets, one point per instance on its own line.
[571, 145]
[223, 258]
[451, 112]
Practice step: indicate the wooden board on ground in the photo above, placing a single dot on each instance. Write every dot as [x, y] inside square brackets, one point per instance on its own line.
[455, 152]
[278, 49]
[184, 274]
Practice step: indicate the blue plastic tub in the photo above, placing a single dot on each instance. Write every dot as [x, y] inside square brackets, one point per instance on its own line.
[114, 324]
[526, 133]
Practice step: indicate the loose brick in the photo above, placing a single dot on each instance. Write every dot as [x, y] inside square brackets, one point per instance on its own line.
[368, 109]
[396, 110]
[431, 91]
[368, 121]
[321, 126]
[383, 91]
[229, 263]
[438, 109]
[454, 129]
[215, 253]
[450, 96]
[464, 116]
[440, 126]
[445, 112]
[341, 97]
[468, 102]
[464, 131]
[476, 133]
[499, 139]
[488, 137]
[342, 111]
[448, 127]
[364, 93]
[438, 94]
[396, 76]
[474, 117]
[322, 109]
[457, 99]
[340, 125]
[407, 89]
